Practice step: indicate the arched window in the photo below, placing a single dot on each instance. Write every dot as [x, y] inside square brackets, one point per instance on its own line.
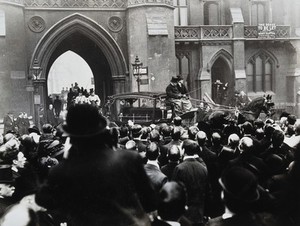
[259, 12]
[260, 73]
[180, 13]
[2, 23]
[211, 13]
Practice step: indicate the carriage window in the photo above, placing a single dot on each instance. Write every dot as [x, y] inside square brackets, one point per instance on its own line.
[260, 73]
[180, 12]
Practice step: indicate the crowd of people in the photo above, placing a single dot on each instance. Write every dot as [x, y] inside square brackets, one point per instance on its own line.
[84, 172]
[77, 95]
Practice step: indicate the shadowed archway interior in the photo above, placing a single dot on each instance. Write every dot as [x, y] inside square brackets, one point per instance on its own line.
[220, 71]
[92, 54]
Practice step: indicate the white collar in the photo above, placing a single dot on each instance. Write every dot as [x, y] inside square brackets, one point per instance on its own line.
[190, 157]
[227, 214]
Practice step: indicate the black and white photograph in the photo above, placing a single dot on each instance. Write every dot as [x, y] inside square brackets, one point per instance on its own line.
[149, 113]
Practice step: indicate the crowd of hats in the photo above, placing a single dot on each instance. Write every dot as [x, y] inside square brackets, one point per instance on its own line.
[230, 152]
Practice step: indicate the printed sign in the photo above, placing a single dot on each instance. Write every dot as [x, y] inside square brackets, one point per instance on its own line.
[141, 71]
[266, 30]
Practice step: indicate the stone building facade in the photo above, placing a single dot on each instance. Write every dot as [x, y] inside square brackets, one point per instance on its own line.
[252, 45]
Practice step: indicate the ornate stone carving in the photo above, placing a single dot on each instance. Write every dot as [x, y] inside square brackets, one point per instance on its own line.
[36, 24]
[216, 43]
[76, 3]
[138, 2]
[18, 2]
[216, 32]
[250, 32]
[282, 32]
[187, 32]
[115, 24]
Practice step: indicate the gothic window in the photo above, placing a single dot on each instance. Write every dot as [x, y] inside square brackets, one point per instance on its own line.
[211, 13]
[258, 12]
[260, 73]
[180, 12]
[2, 23]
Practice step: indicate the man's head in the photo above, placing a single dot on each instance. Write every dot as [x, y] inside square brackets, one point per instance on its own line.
[47, 128]
[233, 140]
[84, 121]
[201, 138]
[239, 189]
[246, 145]
[50, 106]
[174, 80]
[152, 151]
[190, 147]
[192, 131]
[172, 201]
[173, 153]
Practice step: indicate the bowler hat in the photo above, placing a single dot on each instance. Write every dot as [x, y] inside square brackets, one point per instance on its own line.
[241, 184]
[34, 129]
[84, 120]
[6, 175]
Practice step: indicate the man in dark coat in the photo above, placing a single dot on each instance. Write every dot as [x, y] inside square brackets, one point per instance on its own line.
[194, 176]
[57, 104]
[157, 178]
[95, 185]
[240, 193]
[9, 123]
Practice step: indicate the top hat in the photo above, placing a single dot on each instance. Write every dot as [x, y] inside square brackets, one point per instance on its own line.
[6, 174]
[84, 120]
[241, 184]
[174, 79]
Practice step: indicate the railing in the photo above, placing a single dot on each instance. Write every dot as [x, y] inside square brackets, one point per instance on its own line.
[281, 31]
[203, 32]
[189, 32]
[217, 32]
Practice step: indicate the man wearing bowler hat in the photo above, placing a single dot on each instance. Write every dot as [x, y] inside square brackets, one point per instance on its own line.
[95, 185]
[6, 187]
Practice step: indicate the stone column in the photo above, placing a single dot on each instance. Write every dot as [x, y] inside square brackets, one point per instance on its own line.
[150, 32]
[293, 77]
[238, 49]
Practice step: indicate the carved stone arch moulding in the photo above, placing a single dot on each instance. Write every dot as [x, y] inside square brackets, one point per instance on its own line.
[77, 22]
[36, 24]
[266, 53]
[223, 54]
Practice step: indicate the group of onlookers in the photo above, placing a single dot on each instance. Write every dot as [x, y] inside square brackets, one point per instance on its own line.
[85, 172]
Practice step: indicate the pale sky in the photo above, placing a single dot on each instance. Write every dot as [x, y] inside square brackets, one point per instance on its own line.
[68, 69]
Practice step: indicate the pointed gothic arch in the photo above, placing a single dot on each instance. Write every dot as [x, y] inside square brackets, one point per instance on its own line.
[84, 25]
[264, 52]
[225, 55]
[260, 71]
[221, 70]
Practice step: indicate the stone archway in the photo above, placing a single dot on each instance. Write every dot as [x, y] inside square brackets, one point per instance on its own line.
[222, 79]
[99, 45]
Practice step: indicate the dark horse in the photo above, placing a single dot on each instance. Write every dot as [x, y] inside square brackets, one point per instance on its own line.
[217, 117]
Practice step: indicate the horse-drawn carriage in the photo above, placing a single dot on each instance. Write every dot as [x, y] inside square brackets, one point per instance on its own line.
[153, 107]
